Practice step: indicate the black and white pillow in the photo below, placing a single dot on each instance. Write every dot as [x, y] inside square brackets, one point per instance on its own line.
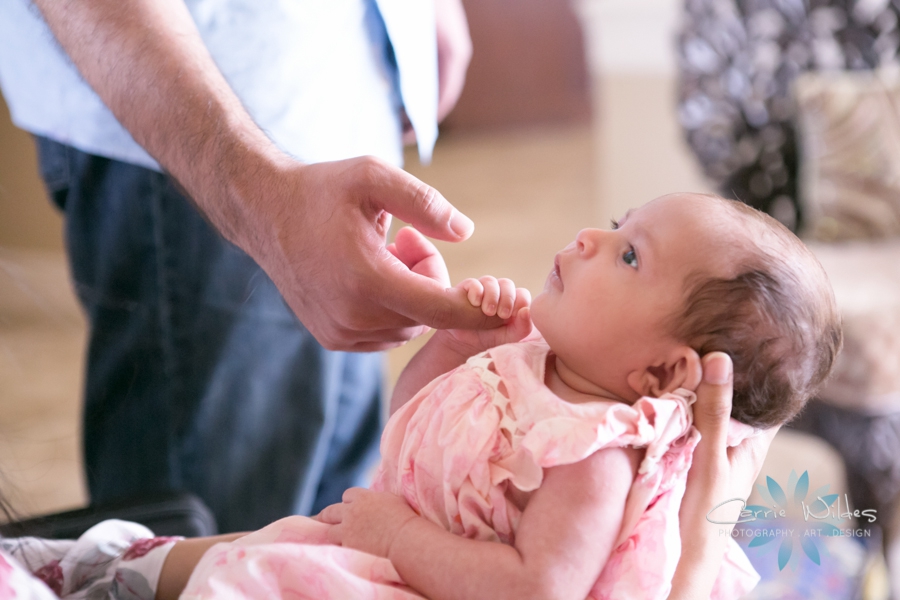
[738, 62]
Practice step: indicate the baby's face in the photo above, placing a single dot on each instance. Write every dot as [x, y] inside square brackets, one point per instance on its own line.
[607, 304]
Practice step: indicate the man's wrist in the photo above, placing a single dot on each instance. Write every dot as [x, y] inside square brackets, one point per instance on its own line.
[240, 171]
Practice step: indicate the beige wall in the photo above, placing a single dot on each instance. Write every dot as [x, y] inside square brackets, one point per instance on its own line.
[27, 219]
[640, 148]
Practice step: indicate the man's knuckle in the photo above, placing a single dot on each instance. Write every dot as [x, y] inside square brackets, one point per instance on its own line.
[368, 170]
[716, 412]
[369, 162]
[425, 198]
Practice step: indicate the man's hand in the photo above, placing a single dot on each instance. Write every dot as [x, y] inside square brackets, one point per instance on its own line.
[717, 474]
[717, 468]
[326, 251]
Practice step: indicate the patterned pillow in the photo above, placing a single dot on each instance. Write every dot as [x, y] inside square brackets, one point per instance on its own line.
[849, 138]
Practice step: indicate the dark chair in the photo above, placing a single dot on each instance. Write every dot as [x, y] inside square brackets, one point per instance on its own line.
[166, 514]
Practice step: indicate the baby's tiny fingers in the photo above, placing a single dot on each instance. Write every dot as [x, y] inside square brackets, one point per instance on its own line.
[507, 298]
[351, 494]
[491, 295]
[521, 326]
[331, 514]
[474, 291]
[523, 299]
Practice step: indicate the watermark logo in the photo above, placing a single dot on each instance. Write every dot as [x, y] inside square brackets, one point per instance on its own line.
[806, 519]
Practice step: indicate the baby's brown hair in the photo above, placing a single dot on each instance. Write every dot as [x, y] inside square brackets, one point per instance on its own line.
[776, 318]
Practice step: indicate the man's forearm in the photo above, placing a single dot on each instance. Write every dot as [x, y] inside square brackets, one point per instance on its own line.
[147, 62]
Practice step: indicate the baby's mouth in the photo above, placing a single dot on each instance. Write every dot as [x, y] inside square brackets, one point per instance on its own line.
[555, 273]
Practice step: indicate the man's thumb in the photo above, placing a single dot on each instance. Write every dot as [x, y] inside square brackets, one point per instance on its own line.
[424, 208]
[713, 408]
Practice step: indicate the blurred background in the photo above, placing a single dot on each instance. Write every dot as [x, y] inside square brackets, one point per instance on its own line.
[573, 112]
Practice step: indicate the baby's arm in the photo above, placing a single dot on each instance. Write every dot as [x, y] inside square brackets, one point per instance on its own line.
[449, 348]
[181, 561]
[564, 539]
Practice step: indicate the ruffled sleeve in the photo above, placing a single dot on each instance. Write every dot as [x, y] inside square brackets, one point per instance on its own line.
[114, 559]
[16, 582]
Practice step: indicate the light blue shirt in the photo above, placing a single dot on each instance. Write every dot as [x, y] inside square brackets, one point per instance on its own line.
[318, 76]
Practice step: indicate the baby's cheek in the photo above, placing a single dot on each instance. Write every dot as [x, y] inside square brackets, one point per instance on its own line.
[540, 311]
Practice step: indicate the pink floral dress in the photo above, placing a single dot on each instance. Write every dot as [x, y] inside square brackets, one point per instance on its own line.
[456, 451]
[113, 560]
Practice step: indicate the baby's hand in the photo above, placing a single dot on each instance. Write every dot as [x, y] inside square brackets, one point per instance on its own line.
[498, 297]
[366, 520]
[495, 296]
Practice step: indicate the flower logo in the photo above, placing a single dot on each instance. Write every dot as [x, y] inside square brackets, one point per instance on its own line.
[811, 517]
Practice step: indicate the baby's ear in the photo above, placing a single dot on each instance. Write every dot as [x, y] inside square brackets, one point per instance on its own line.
[681, 369]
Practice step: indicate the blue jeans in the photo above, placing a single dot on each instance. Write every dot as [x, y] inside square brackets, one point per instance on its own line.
[199, 377]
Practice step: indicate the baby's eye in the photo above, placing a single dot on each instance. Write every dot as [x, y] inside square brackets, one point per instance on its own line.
[613, 224]
[630, 258]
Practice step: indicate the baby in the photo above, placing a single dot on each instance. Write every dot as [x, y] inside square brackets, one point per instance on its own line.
[568, 450]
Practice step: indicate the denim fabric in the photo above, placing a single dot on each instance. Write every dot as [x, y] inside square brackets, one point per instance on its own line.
[198, 375]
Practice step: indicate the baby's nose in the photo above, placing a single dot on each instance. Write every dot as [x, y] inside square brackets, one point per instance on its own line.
[587, 240]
